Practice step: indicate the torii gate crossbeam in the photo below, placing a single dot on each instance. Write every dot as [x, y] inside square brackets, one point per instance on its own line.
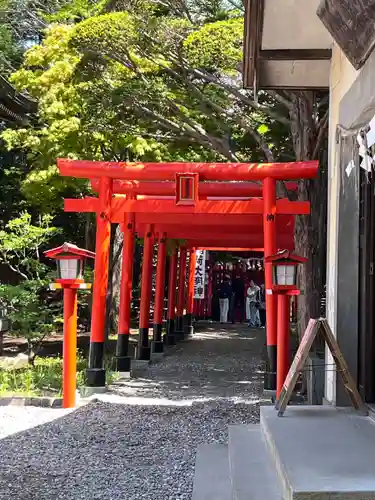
[206, 189]
[207, 171]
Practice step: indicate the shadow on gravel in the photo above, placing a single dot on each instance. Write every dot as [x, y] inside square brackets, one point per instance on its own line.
[217, 364]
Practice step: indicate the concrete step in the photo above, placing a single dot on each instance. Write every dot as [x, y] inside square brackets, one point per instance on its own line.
[211, 479]
[253, 474]
[322, 452]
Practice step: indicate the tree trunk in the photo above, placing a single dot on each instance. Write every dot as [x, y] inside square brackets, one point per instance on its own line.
[311, 230]
[310, 242]
[115, 281]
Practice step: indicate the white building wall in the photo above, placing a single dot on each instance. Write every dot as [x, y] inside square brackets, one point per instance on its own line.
[342, 76]
[293, 24]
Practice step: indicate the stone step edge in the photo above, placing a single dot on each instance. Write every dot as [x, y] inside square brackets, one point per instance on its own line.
[284, 482]
[46, 402]
[41, 401]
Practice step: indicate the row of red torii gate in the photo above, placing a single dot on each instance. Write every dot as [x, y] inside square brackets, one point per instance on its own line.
[205, 206]
[206, 300]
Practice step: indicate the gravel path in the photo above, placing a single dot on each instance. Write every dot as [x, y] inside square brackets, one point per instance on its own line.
[144, 450]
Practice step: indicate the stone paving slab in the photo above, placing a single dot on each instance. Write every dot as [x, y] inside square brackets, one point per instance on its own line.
[322, 452]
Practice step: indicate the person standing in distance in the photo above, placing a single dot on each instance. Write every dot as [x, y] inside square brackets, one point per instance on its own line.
[252, 300]
[224, 293]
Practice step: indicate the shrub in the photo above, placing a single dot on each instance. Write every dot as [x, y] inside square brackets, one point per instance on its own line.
[44, 378]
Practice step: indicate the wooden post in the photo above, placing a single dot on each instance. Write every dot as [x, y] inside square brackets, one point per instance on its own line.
[188, 327]
[313, 328]
[143, 351]
[70, 348]
[123, 360]
[181, 293]
[96, 373]
[269, 224]
[171, 313]
[157, 343]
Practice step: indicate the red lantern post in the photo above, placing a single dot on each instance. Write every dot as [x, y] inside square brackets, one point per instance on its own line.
[284, 285]
[70, 262]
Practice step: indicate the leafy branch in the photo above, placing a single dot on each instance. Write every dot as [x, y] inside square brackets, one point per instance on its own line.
[20, 243]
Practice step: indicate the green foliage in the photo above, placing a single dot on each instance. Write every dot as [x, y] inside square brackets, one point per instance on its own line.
[9, 53]
[12, 173]
[97, 83]
[76, 10]
[217, 10]
[44, 378]
[58, 132]
[20, 245]
[29, 315]
[26, 19]
[148, 82]
[106, 31]
[216, 46]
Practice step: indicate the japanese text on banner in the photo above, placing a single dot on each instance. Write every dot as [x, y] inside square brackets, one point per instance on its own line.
[200, 272]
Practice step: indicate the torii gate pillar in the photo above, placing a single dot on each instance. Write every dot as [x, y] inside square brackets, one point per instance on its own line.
[143, 348]
[269, 224]
[188, 327]
[179, 325]
[123, 360]
[96, 372]
[157, 341]
[169, 338]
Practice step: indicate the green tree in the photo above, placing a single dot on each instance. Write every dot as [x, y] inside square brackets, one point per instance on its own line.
[29, 315]
[150, 80]
[20, 245]
[107, 68]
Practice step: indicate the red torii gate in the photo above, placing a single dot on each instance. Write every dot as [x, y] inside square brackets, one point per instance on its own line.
[110, 174]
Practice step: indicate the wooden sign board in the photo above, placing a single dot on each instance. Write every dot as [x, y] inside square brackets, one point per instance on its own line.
[351, 24]
[187, 189]
[314, 327]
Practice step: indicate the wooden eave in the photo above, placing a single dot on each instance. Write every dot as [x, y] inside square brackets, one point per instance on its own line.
[253, 53]
[14, 106]
[253, 25]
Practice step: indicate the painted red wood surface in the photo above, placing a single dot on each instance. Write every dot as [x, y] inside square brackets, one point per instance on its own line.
[214, 189]
[207, 171]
